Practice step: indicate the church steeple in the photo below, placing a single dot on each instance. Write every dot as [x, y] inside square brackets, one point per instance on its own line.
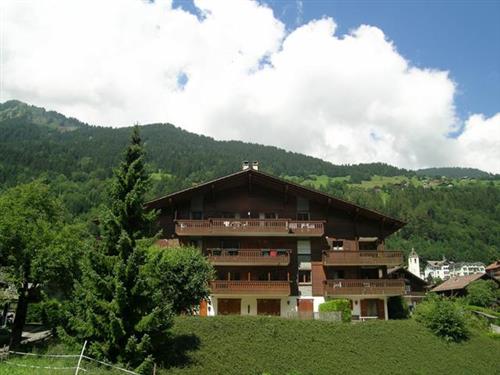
[414, 263]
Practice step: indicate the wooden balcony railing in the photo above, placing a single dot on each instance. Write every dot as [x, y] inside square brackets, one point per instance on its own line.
[249, 227]
[362, 258]
[251, 287]
[249, 257]
[341, 287]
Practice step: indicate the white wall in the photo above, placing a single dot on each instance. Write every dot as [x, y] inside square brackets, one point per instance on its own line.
[249, 304]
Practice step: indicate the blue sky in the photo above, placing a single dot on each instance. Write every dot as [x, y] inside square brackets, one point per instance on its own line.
[462, 37]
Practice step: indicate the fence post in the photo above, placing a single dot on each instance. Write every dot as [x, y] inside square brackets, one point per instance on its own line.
[80, 359]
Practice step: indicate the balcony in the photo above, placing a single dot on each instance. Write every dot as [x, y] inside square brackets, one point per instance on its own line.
[249, 227]
[251, 287]
[344, 287]
[249, 257]
[362, 258]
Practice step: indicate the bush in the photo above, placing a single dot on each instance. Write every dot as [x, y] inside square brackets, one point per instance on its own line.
[4, 336]
[482, 293]
[397, 308]
[34, 314]
[445, 318]
[341, 305]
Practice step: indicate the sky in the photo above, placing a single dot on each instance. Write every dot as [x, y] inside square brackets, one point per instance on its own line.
[411, 83]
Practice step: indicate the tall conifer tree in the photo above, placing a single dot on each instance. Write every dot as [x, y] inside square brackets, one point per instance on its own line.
[111, 310]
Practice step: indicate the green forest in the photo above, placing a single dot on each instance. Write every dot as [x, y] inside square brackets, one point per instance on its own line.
[451, 212]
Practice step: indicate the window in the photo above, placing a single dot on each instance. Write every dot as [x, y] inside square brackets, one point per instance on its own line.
[235, 276]
[228, 215]
[303, 216]
[304, 277]
[271, 215]
[337, 245]
[304, 258]
[229, 244]
[196, 215]
[264, 276]
[372, 245]
[338, 274]
[303, 251]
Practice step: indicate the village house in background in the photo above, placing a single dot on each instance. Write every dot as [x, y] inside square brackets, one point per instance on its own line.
[415, 287]
[444, 269]
[456, 286]
[494, 270]
[283, 249]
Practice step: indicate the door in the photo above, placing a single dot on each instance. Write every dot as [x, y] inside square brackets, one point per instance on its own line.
[305, 308]
[229, 306]
[372, 308]
[203, 308]
[269, 307]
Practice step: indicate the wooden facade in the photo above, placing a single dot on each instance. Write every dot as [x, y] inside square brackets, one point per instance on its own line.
[269, 237]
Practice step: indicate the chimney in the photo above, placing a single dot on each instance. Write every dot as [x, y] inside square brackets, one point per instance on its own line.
[245, 165]
[255, 165]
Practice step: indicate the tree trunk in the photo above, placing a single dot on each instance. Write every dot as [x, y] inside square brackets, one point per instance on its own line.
[20, 319]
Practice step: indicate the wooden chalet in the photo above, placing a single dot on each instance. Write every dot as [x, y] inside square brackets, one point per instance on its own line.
[282, 249]
[415, 287]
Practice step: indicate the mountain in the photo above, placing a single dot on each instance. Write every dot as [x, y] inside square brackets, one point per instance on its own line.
[51, 137]
[14, 109]
[455, 172]
[453, 217]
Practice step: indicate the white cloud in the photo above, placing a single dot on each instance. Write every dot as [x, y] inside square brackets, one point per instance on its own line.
[346, 98]
[480, 143]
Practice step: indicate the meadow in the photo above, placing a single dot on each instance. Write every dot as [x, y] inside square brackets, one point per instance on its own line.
[275, 346]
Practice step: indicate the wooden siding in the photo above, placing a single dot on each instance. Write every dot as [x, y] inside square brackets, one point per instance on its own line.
[250, 287]
[242, 257]
[249, 227]
[343, 287]
[362, 258]
[318, 277]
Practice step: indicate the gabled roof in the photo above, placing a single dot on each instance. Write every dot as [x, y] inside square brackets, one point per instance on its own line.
[493, 266]
[255, 175]
[408, 274]
[459, 282]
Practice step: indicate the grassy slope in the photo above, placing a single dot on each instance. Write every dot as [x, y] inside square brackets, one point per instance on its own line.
[235, 345]
[381, 181]
[231, 345]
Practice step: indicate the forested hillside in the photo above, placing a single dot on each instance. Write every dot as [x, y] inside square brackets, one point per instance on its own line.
[450, 216]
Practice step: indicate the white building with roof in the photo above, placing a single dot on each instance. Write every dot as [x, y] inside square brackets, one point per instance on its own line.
[444, 269]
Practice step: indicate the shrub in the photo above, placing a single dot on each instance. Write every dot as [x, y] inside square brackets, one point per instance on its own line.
[4, 336]
[445, 318]
[397, 308]
[34, 314]
[341, 305]
[482, 293]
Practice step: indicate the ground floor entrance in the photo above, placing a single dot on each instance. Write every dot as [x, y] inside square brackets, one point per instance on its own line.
[305, 308]
[372, 308]
[229, 306]
[269, 307]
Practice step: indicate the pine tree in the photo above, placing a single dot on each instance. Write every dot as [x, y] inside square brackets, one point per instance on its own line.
[111, 310]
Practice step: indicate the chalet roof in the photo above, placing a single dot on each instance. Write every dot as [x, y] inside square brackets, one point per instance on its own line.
[394, 270]
[458, 282]
[493, 266]
[256, 175]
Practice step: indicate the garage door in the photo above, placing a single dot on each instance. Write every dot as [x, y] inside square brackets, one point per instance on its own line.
[229, 306]
[269, 307]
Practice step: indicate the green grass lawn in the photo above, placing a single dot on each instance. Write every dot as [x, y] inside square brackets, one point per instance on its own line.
[235, 345]
[258, 345]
